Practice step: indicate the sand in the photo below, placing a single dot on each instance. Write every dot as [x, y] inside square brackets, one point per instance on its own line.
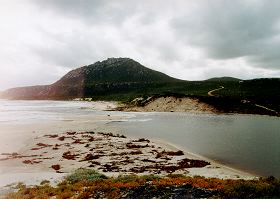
[171, 104]
[56, 155]
[49, 151]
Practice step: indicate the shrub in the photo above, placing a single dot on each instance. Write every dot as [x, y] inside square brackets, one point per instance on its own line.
[85, 175]
[126, 178]
[85, 183]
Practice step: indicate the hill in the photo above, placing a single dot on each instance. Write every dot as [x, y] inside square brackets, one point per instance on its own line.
[123, 79]
[224, 79]
[113, 75]
[113, 70]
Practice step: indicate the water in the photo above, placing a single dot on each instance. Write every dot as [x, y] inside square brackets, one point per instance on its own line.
[246, 142]
[21, 121]
[15, 112]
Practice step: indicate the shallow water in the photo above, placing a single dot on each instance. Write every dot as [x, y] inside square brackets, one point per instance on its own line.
[246, 142]
[21, 121]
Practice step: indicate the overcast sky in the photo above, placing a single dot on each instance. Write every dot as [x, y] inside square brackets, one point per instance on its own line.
[41, 40]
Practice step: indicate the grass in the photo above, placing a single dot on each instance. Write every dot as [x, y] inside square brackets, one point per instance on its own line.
[85, 183]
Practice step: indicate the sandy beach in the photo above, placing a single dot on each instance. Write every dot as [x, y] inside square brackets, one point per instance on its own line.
[49, 151]
[53, 156]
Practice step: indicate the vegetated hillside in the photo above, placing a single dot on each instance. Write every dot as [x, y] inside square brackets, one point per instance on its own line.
[122, 77]
[247, 96]
[112, 76]
[113, 70]
[257, 96]
[224, 79]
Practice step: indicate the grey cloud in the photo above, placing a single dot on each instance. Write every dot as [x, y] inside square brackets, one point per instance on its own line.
[185, 39]
[113, 12]
[90, 11]
[139, 30]
[71, 53]
[223, 29]
[230, 29]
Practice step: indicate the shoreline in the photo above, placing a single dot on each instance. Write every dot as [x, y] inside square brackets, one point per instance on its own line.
[213, 162]
[16, 168]
[199, 112]
[32, 174]
[187, 152]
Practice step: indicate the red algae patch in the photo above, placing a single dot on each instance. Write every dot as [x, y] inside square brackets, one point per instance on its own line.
[33, 161]
[69, 155]
[56, 167]
[108, 153]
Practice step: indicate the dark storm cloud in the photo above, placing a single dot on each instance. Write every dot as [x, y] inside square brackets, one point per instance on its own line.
[232, 29]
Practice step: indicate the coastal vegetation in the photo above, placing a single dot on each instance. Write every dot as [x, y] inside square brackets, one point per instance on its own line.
[85, 183]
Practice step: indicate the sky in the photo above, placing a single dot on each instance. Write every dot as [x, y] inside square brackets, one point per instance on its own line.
[41, 40]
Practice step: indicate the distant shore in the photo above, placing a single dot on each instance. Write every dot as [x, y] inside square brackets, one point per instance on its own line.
[198, 104]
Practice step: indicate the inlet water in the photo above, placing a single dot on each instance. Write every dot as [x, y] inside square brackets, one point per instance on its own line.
[247, 142]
